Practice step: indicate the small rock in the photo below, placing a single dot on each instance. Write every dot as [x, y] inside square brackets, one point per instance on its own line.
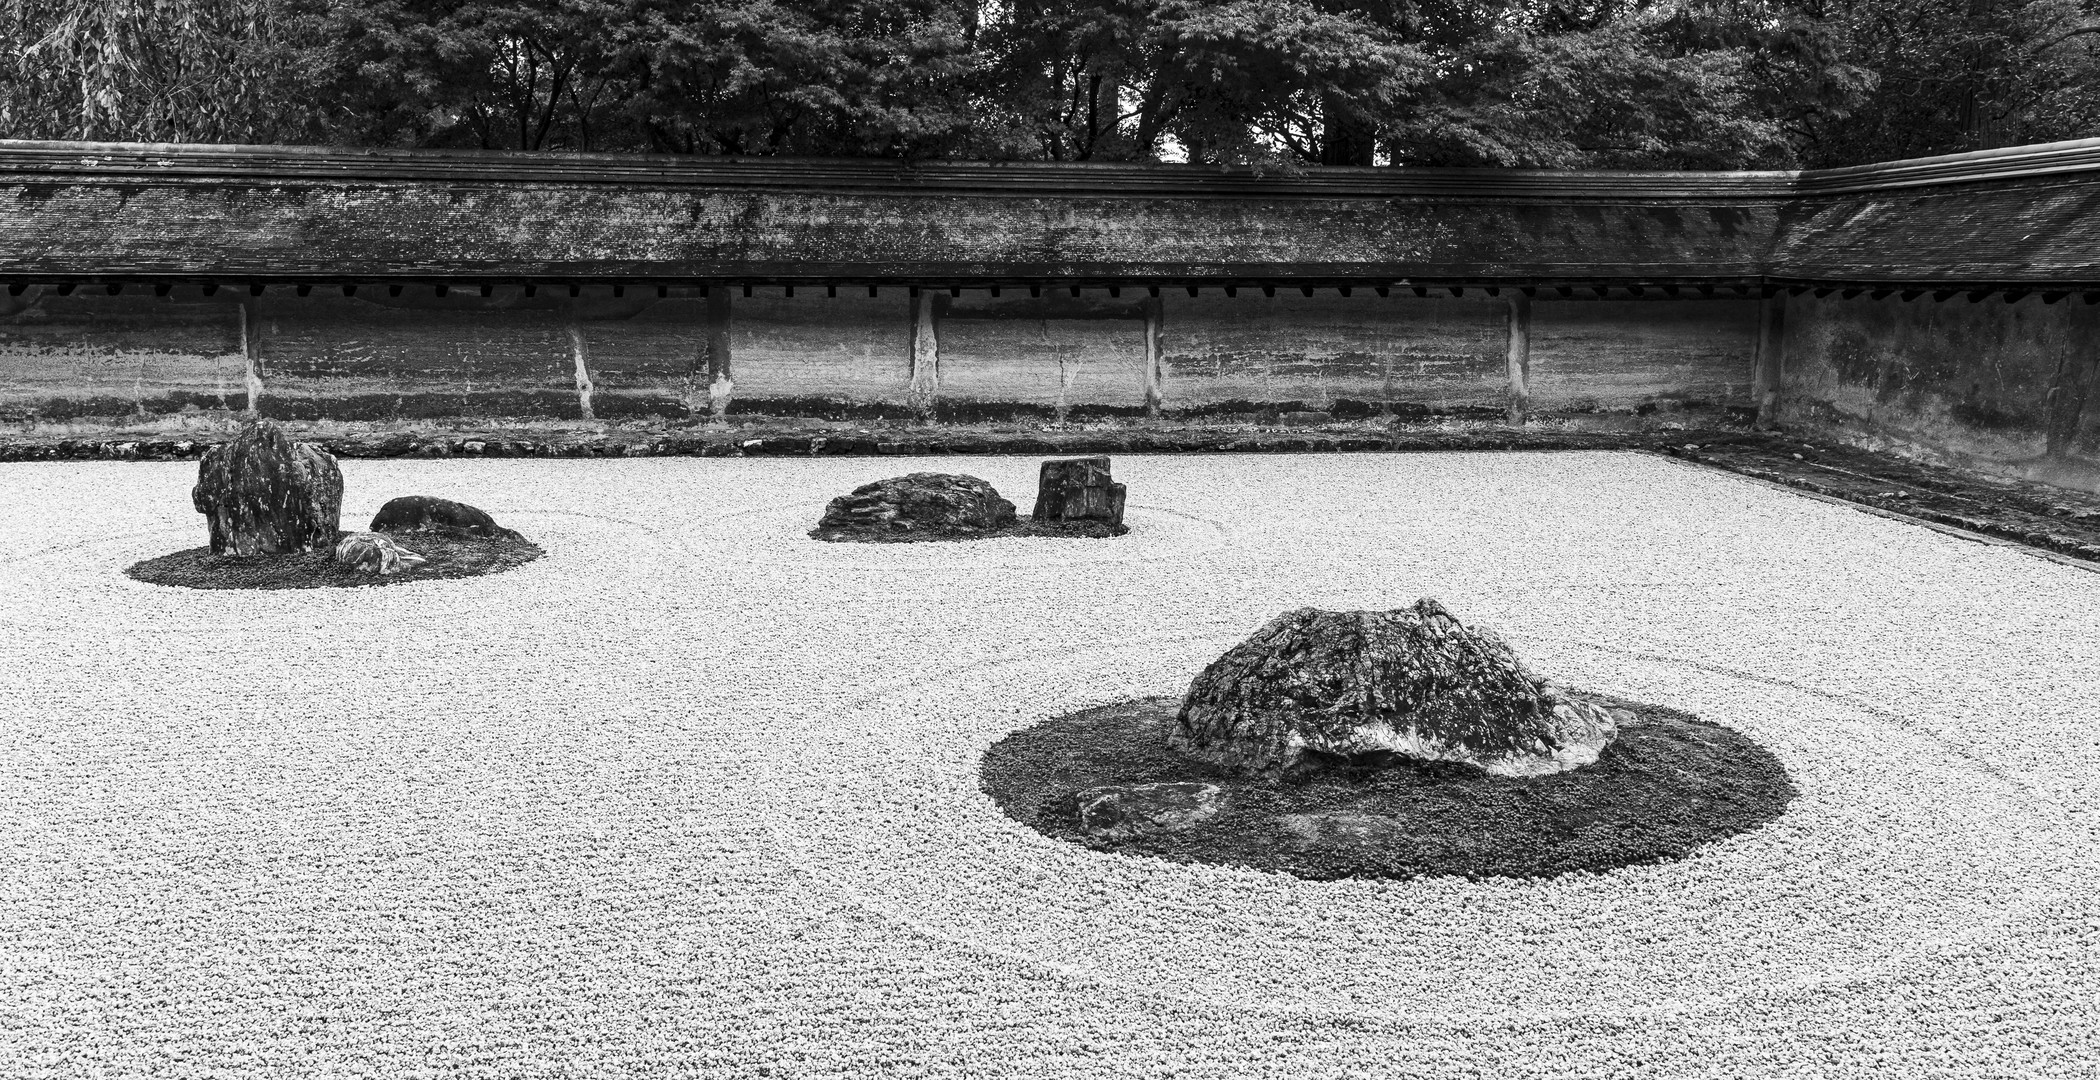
[428, 513]
[1122, 812]
[373, 553]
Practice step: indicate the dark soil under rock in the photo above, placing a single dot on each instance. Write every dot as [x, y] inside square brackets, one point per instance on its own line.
[1090, 530]
[448, 557]
[1667, 784]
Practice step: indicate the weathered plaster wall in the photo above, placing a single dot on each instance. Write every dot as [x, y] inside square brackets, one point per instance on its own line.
[2012, 385]
[97, 355]
[416, 355]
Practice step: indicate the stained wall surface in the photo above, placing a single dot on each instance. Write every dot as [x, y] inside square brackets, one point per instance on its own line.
[2005, 384]
[412, 354]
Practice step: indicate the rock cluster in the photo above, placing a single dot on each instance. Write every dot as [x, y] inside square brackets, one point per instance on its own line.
[264, 494]
[375, 554]
[916, 506]
[1078, 489]
[430, 514]
[1364, 688]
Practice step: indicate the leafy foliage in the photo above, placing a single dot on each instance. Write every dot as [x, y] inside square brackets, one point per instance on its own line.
[1278, 83]
[145, 70]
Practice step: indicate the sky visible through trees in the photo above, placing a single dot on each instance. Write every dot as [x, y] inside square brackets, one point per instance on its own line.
[1277, 83]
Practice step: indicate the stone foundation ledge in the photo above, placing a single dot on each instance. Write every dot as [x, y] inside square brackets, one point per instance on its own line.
[792, 438]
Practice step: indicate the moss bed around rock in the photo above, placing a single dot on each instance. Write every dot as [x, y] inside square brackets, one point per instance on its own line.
[1086, 530]
[448, 557]
[1666, 785]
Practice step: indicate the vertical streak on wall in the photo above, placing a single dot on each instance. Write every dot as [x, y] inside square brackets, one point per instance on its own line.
[582, 353]
[1770, 362]
[925, 353]
[721, 379]
[1155, 356]
[1519, 357]
[2068, 391]
[251, 352]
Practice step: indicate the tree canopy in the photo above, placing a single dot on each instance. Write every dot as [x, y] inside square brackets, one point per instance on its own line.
[1281, 83]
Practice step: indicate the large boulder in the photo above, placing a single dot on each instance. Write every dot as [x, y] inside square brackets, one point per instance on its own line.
[917, 506]
[1078, 489]
[430, 514]
[1366, 688]
[264, 494]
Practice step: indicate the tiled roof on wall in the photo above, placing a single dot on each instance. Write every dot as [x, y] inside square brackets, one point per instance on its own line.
[119, 212]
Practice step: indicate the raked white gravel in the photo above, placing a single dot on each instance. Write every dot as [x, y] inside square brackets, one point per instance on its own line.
[694, 795]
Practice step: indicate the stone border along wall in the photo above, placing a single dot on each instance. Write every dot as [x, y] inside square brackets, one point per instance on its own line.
[894, 356]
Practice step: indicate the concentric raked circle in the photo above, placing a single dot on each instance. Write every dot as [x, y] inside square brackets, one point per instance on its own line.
[86, 585]
[1897, 848]
[779, 535]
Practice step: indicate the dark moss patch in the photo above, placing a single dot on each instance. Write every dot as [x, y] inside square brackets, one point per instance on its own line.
[1667, 784]
[449, 557]
[1087, 530]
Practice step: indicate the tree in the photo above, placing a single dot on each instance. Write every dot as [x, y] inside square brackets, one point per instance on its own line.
[832, 77]
[1952, 75]
[1274, 83]
[147, 70]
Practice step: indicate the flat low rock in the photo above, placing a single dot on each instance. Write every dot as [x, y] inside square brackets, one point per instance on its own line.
[263, 494]
[1317, 689]
[374, 554]
[1122, 812]
[917, 506]
[430, 514]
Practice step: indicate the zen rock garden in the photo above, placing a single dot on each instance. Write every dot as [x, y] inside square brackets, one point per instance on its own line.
[273, 508]
[1076, 497]
[1329, 744]
[1386, 744]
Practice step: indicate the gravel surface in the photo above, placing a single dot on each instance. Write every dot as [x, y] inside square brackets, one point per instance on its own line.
[696, 795]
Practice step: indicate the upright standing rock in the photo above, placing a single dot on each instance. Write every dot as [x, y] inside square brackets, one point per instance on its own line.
[264, 494]
[1078, 489]
[1367, 687]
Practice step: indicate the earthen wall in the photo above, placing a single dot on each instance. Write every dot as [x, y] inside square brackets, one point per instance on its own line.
[411, 354]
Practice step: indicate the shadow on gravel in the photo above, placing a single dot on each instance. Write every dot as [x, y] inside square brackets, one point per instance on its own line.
[449, 557]
[1667, 784]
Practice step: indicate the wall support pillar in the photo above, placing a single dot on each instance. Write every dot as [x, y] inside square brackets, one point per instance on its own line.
[1155, 356]
[1519, 358]
[925, 383]
[1770, 360]
[721, 380]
